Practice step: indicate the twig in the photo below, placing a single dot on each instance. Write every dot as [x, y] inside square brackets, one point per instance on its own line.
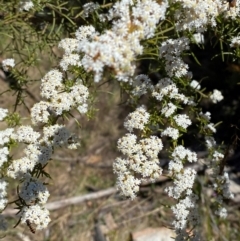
[23, 237]
[70, 201]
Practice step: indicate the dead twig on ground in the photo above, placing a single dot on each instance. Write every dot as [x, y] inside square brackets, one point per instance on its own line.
[70, 201]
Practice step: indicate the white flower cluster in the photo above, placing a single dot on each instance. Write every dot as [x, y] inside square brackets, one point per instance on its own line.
[38, 151]
[220, 179]
[183, 180]
[7, 64]
[200, 14]
[3, 113]
[70, 57]
[4, 152]
[167, 88]
[185, 211]
[3, 203]
[221, 212]
[210, 142]
[117, 47]
[169, 109]
[26, 134]
[182, 120]
[207, 124]
[206, 116]
[57, 135]
[3, 194]
[220, 182]
[141, 84]
[222, 186]
[89, 8]
[33, 191]
[216, 96]
[26, 5]
[35, 214]
[69, 60]
[58, 100]
[141, 162]
[235, 42]
[198, 38]
[171, 51]
[211, 127]
[69, 45]
[171, 132]
[97, 55]
[137, 119]
[180, 153]
[5, 136]
[20, 167]
[195, 85]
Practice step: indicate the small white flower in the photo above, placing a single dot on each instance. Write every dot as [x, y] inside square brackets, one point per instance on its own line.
[181, 153]
[40, 112]
[4, 152]
[211, 127]
[7, 64]
[151, 146]
[129, 185]
[206, 116]
[5, 135]
[171, 50]
[51, 84]
[3, 113]
[183, 182]
[39, 153]
[185, 211]
[169, 109]
[89, 8]
[216, 96]
[26, 134]
[20, 167]
[171, 132]
[165, 87]
[217, 156]
[137, 119]
[195, 85]
[56, 135]
[210, 142]
[221, 212]
[141, 85]
[26, 5]
[85, 32]
[69, 45]
[70, 60]
[235, 42]
[182, 120]
[128, 144]
[198, 38]
[33, 190]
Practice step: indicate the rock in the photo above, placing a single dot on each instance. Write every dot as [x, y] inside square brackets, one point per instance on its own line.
[154, 234]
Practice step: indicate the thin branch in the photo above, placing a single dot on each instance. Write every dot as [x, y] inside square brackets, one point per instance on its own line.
[70, 201]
